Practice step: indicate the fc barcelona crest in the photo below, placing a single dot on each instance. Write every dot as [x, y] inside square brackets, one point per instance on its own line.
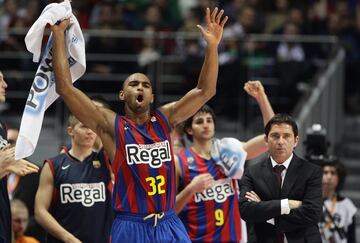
[96, 164]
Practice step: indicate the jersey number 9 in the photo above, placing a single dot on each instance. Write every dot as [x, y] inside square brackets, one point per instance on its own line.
[219, 217]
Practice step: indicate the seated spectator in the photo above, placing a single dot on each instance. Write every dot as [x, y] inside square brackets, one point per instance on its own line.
[277, 18]
[20, 220]
[338, 221]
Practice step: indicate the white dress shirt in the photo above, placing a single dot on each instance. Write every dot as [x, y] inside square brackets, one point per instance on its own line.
[285, 208]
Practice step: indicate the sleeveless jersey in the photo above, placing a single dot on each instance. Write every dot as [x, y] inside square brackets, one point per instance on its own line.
[212, 215]
[81, 200]
[143, 166]
[5, 213]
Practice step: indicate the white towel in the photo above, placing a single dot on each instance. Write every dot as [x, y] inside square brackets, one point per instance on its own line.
[229, 154]
[42, 92]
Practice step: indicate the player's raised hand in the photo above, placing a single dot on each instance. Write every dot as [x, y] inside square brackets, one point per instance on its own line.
[61, 26]
[254, 88]
[215, 26]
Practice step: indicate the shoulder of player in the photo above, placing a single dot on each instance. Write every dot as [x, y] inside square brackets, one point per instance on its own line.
[108, 117]
[167, 110]
[182, 156]
[59, 159]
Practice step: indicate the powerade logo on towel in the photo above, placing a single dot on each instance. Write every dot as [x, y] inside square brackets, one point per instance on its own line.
[85, 193]
[219, 192]
[153, 154]
[42, 81]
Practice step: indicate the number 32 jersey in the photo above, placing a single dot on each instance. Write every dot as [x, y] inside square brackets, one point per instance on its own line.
[212, 215]
[143, 166]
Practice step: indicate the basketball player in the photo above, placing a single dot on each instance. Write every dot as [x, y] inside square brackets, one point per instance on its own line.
[208, 199]
[73, 201]
[139, 144]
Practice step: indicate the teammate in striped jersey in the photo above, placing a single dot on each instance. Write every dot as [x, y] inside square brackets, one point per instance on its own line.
[208, 200]
[139, 144]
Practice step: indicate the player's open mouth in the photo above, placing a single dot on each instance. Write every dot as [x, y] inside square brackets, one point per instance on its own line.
[140, 98]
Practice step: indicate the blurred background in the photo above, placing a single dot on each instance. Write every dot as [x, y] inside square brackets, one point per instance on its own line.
[305, 52]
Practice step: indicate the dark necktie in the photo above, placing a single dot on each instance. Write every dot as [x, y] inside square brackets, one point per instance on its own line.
[278, 169]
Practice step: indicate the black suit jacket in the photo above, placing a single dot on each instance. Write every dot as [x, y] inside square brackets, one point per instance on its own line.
[303, 182]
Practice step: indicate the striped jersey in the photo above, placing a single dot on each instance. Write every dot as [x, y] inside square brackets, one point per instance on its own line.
[5, 214]
[81, 201]
[212, 215]
[143, 166]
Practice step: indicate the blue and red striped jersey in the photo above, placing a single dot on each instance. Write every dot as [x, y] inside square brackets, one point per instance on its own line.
[212, 215]
[143, 166]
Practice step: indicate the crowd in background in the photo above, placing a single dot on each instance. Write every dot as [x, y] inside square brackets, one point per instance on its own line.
[294, 61]
[340, 18]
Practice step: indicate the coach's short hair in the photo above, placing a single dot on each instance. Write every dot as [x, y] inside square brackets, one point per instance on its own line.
[281, 118]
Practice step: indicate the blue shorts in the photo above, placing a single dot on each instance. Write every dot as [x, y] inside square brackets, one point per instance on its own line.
[130, 228]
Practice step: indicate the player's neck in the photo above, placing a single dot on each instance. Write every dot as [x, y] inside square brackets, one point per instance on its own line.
[328, 193]
[138, 119]
[202, 148]
[80, 152]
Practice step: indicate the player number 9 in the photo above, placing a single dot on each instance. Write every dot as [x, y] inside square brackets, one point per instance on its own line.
[219, 216]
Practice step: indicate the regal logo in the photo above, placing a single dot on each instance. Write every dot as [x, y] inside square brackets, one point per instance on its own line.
[85, 193]
[222, 189]
[153, 154]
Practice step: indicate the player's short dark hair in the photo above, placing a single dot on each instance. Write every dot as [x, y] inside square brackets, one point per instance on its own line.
[281, 118]
[204, 109]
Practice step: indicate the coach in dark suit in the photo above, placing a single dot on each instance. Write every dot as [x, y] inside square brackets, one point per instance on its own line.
[282, 195]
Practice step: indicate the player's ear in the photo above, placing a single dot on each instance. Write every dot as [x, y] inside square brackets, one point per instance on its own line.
[152, 98]
[189, 131]
[69, 130]
[296, 141]
[121, 95]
